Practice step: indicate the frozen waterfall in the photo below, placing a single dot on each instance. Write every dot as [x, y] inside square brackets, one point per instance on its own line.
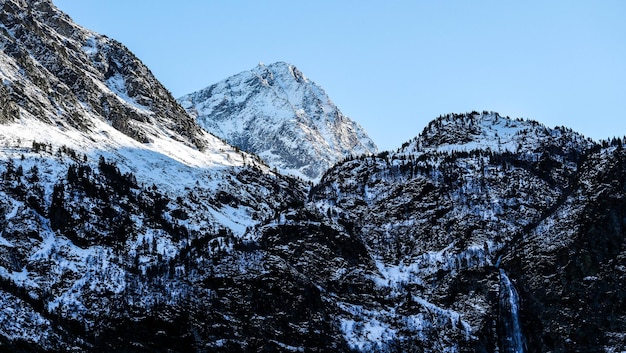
[510, 333]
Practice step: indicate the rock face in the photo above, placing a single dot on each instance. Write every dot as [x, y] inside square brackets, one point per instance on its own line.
[279, 114]
[58, 68]
[481, 234]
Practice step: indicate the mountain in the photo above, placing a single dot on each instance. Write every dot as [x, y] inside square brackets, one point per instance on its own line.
[452, 223]
[124, 226]
[106, 182]
[279, 114]
[74, 93]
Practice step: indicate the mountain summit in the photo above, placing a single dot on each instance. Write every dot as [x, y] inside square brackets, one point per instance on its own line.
[278, 113]
[490, 130]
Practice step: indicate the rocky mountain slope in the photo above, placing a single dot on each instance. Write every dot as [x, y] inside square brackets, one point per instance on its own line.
[107, 181]
[482, 234]
[52, 68]
[281, 115]
[452, 224]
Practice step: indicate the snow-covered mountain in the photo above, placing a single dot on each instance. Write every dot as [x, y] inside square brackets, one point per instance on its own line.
[281, 115]
[124, 226]
[105, 179]
[494, 240]
[65, 87]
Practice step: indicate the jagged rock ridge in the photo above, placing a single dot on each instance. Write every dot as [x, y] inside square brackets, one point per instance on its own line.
[279, 114]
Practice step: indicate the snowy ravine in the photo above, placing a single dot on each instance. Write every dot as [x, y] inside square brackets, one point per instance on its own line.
[278, 113]
[124, 226]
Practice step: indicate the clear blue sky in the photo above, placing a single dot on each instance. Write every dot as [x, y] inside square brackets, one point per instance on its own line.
[394, 65]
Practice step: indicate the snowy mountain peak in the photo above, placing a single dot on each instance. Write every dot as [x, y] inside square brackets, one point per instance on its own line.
[490, 130]
[276, 112]
[281, 71]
